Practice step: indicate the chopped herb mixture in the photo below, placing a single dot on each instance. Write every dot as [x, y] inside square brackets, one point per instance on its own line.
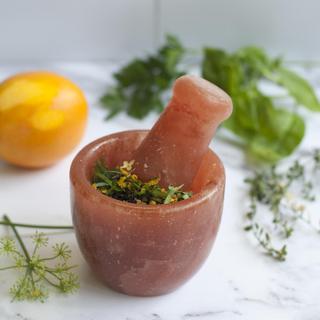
[122, 184]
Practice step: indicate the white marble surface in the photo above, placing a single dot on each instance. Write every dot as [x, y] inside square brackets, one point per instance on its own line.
[236, 282]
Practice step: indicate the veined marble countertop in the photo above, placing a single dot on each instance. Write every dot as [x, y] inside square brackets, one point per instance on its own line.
[236, 282]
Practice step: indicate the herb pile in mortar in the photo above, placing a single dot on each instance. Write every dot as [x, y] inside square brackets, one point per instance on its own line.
[278, 203]
[38, 273]
[267, 129]
[122, 184]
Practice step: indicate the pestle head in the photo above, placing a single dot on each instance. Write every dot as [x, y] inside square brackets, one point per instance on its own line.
[176, 144]
[204, 99]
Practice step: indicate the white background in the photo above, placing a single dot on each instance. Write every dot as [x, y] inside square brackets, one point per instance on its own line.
[33, 30]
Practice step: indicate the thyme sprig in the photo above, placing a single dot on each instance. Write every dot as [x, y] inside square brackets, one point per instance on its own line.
[38, 273]
[284, 194]
[122, 184]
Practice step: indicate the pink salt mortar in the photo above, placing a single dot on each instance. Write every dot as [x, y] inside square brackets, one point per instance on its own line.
[149, 250]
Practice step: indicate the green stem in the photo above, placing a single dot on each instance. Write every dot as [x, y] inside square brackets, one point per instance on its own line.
[32, 281]
[64, 269]
[34, 226]
[12, 267]
[23, 247]
[51, 283]
[50, 258]
[53, 274]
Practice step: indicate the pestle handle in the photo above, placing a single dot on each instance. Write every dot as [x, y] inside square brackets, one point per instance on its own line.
[176, 144]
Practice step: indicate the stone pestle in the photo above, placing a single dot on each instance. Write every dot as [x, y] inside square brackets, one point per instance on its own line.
[176, 144]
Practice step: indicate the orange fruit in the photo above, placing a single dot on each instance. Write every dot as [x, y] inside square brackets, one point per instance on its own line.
[42, 118]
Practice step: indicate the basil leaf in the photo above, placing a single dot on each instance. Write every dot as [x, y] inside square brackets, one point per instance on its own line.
[268, 133]
[298, 88]
[284, 133]
[255, 63]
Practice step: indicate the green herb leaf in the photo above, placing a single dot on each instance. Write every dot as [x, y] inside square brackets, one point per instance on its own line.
[269, 133]
[280, 134]
[298, 88]
[141, 83]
